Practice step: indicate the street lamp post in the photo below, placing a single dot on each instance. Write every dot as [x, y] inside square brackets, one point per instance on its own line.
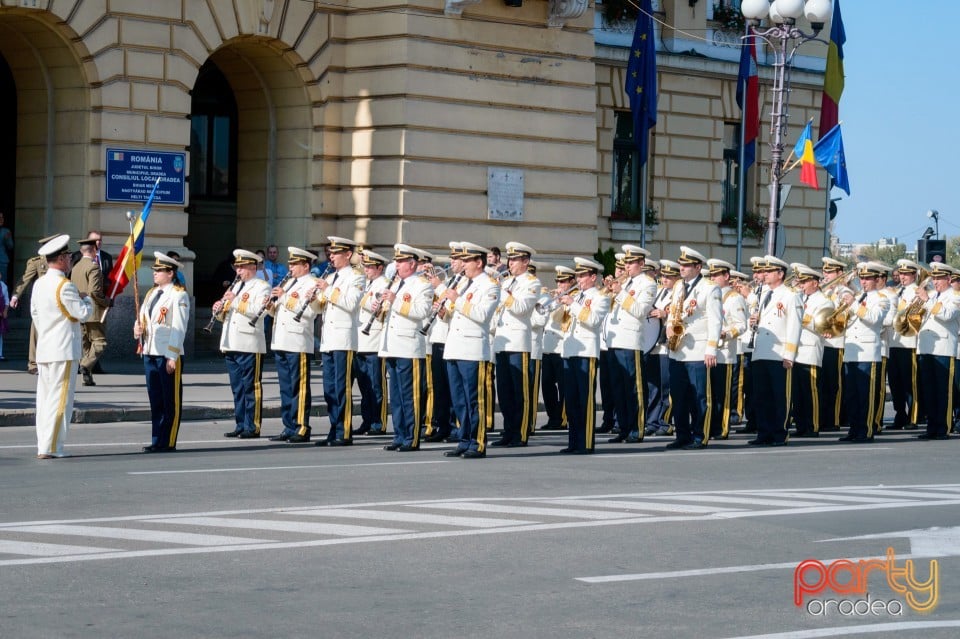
[936, 219]
[783, 15]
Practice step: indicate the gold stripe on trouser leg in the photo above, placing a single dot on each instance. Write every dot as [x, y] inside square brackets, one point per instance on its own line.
[483, 372]
[62, 404]
[642, 409]
[708, 416]
[949, 416]
[837, 402]
[302, 397]
[816, 399]
[564, 421]
[384, 391]
[525, 418]
[915, 404]
[871, 399]
[740, 378]
[257, 391]
[177, 401]
[428, 414]
[789, 403]
[535, 398]
[417, 392]
[725, 418]
[348, 400]
[881, 395]
[591, 417]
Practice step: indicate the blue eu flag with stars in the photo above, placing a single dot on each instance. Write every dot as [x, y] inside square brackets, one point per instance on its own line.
[642, 80]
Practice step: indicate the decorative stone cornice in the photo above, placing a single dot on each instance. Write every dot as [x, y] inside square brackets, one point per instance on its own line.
[455, 7]
[560, 11]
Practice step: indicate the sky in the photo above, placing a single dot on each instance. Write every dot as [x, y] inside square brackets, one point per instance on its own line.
[901, 131]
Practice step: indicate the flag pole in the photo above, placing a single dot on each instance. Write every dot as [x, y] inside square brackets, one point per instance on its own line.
[119, 269]
[826, 218]
[136, 285]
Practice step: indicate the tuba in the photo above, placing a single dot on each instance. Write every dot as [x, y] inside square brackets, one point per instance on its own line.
[908, 321]
[831, 322]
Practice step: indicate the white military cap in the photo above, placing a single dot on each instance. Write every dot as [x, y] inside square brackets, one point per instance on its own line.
[55, 246]
[756, 263]
[370, 258]
[164, 262]
[455, 249]
[243, 256]
[907, 266]
[422, 255]
[586, 265]
[340, 244]
[633, 253]
[619, 258]
[404, 252]
[689, 257]
[516, 249]
[804, 272]
[739, 275]
[669, 267]
[718, 266]
[650, 264]
[471, 250]
[295, 254]
[830, 264]
[871, 269]
[773, 263]
[564, 273]
[941, 268]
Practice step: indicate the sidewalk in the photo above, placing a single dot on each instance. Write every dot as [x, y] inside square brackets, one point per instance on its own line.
[121, 394]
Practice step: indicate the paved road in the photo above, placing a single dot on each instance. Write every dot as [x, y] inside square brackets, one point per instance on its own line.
[251, 539]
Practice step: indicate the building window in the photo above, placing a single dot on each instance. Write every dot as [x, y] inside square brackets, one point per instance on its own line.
[625, 199]
[731, 168]
[213, 137]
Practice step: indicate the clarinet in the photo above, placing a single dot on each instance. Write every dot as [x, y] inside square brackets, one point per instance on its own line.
[213, 317]
[755, 327]
[453, 285]
[313, 294]
[376, 311]
[272, 300]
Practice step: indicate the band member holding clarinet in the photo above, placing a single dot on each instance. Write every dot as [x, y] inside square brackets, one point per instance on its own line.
[403, 347]
[368, 367]
[442, 420]
[243, 346]
[292, 342]
[162, 325]
[339, 295]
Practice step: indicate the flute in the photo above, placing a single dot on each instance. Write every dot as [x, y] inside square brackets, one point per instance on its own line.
[441, 307]
[269, 302]
[376, 311]
[213, 316]
[309, 299]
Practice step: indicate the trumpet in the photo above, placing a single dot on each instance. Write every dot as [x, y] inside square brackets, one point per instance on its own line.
[213, 316]
[554, 302]
[908, 321]
[380, 310]
[843, 280]
[313, 294]
[271, 301]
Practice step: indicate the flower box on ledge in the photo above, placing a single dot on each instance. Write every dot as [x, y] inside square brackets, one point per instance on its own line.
[728, 237]
[629, 230]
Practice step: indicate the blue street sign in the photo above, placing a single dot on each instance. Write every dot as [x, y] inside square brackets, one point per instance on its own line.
[131, 174]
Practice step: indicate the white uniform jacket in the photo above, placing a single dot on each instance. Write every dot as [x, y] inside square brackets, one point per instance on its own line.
[864, 341]
[734, 325]
[441, 326]
[57, 311]
[702, 314]
[538, 320]
[553, 331]
[779, 326]
[288, 335]
[753, 304]
[811, 342]
[164, 323]
[238, 336]
[654, 337]
[368, 303]
[941, 324]
[469, 336]
[339, 304]
[589, 309]
[899, 303]
[401, 334]
[839, 340]
[627, 320]
[513, 327]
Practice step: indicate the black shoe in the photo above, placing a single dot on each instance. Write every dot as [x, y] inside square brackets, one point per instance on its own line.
[807, 434]
[619, 439]
[783, 443]
[233, 433]
[674, 445]
[663, 432]
[363, 430]
[849, 438]
[322, 442]
[929, 437]
[279, 438]
[473, 454]
[567, 451]
[862, 440]
[391, 447]
[516, 444]
[451, 439]
[87, 377]
[695, 445]
[153, 448]
[549, 426]
[648, 432]
[407, 449]
[501, 443]
[583, 451]
[341, 442]
[632, 439]
[747, 430]
[606, 428]
[297, 438]
[759, 442]
[436, 437]
[453, 453]
[249, 435]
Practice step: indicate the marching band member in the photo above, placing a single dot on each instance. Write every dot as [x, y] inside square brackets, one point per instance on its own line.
[832, 413]
[937, 349]
[469, 355]
[863, 350]
[752, 297]
[656, 370]
[339, 294]
[693, 327]
[734, 311]
[538, 322]
[778, 321]
[163, 326]
[740, 282]
[442, 419]
[368, 368]
[624, 330]
[902, 361]
[292, 342]
[551, 381]
[955, 285]
[881, 381]
[807, 381]
[605, 364]
[243, 345]
[581, 350]
[404, 347]
[512, 343]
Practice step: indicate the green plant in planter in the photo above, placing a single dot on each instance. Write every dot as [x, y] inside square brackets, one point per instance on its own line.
[729, 17]
[618, 11]
[754, 225]
[652, 217]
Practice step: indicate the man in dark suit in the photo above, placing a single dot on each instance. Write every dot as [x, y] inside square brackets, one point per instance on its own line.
[103, 259]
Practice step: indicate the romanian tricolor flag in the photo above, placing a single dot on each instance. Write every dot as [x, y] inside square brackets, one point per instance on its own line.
[748, 98]
[833, 77]
[128, 262]
[804, 152]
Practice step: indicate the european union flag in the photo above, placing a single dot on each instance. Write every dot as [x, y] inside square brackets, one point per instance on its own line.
[829, 154]
[642, 80]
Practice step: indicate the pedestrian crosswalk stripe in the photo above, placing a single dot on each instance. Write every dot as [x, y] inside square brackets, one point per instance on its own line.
[913, 494]
[855, 499]
[303, 527]
[135, 534]
[421, 518]
[529, 510]
[752, 501]
[641, 505]
[39, 549]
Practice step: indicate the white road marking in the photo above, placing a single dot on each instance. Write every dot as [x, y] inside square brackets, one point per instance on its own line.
[254, 468]
[8, 547]
[856, 499]
[136, 534]
[529, 510]
[911, 494]
[840, 631]
[641, 505]
[283, 526]
[418, 518]
[751, 501]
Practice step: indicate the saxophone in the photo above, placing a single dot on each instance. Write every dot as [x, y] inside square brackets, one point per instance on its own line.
[675, 325]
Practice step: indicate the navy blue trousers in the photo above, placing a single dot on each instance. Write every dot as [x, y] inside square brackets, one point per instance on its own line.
[806, 398]
[513, 392]
[368, 369]
[580, 388]
[338, 392]
[604, 365]
[721, 384]
[656, 372]
[441, 410]
[471, 391]
[936, 376]
[832, 414]
[626, 387]
[405, 377]
[551, 385]
[293, 376]
[165, 393]
[690, 400]
[772, 386]
[245, 372]
[904, 390]
[859, 396]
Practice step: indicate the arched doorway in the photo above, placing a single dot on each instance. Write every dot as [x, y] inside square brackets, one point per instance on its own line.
[8, 157]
